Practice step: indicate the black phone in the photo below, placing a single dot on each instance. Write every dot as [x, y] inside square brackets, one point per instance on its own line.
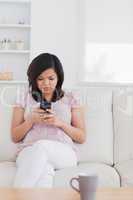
[45, 105]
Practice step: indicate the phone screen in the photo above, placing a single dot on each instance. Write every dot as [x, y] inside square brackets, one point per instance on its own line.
[45, 105]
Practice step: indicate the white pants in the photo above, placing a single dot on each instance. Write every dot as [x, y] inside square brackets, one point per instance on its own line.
[36, 164]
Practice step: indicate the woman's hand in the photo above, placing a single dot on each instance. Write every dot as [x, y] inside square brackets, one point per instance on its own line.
[39, 116]
[52, 119]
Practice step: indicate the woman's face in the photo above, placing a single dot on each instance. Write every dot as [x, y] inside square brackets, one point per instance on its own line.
[47, 81]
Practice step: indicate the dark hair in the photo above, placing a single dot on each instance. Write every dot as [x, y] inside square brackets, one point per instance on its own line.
[39, 64]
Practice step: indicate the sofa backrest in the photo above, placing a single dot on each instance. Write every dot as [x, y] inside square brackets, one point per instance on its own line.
[98, 114]
[98, 147]
[123, 124]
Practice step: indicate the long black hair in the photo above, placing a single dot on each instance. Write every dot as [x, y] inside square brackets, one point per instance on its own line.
[39, 64]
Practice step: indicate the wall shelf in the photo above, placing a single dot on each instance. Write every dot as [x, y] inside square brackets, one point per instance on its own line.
[15, 29]
[14, 51]
[15, 1]
[13, 82]
[15, 26]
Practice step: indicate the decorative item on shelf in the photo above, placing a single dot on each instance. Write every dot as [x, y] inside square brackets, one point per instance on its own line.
[1, 44]
[8, 44]
[21, 21]
[5, 44]
[6, 76]
[5, 73]
[19, 44]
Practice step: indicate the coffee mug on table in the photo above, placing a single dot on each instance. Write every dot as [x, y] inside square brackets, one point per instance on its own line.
[87, 186]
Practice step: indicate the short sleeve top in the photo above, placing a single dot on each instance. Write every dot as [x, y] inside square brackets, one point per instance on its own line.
[62, 108]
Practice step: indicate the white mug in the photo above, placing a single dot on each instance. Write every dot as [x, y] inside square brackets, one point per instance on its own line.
[87, 186]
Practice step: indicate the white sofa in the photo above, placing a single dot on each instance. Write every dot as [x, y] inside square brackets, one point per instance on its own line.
[108, 150]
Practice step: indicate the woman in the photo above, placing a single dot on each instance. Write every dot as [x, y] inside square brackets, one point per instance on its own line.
[45, 137]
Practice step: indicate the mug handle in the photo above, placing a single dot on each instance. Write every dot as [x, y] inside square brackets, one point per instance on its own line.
[71, 183]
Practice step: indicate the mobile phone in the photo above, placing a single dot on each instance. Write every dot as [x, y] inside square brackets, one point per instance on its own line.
[45, 105]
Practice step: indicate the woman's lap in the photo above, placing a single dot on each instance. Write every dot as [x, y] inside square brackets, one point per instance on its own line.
[60, 155]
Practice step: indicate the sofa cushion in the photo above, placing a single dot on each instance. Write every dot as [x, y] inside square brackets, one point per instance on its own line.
[125, 169]
[99, 128]
[7, 173]
[108, 177]
[123, 124]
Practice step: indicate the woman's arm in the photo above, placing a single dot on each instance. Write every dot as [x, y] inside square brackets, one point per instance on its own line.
[77, 128]
[19, 126]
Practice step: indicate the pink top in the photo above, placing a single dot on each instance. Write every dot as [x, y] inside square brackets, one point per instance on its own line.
[39, 131]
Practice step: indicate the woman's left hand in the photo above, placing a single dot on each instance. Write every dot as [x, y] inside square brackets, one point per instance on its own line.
[53, 120]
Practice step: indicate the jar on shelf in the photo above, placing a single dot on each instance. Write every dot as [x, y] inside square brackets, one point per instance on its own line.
[19, 45]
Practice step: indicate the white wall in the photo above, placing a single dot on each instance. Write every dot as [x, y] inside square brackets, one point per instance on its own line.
[109, 21]
[107, 41]
[67, 27]
[55, 29]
